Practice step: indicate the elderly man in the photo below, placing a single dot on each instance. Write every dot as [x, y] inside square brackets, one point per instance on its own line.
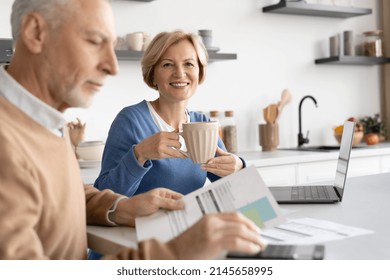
[64, 49]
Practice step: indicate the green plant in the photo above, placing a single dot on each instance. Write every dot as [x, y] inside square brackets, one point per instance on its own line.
[373, 125]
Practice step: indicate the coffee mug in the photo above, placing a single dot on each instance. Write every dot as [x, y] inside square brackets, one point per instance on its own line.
[201, 139]
[138, 41]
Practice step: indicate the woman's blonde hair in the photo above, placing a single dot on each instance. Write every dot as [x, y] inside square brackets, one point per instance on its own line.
[158, 46]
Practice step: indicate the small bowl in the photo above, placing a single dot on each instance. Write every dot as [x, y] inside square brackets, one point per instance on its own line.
[90, 150]
[357, 137]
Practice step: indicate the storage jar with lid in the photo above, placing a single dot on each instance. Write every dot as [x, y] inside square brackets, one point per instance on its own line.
[373, 43]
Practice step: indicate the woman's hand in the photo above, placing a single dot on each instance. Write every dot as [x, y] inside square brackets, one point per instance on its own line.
[158, 146]
[223, 165]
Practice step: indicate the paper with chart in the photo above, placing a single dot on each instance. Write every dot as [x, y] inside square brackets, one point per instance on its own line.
[243, 191]
[309, 231]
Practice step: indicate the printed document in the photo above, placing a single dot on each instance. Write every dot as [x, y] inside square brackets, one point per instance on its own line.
[243, 191]
[309, 231]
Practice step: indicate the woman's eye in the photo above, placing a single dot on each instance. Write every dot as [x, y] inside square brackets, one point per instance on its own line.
[189, 64]
[165, 65]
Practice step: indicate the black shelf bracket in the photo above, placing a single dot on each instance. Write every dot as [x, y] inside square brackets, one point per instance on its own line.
[353, 60]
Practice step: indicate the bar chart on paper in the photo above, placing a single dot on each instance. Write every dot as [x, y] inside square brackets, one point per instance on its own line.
[259, 211]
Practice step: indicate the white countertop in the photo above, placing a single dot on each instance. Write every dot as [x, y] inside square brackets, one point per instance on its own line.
[280, 157]
[363, 206]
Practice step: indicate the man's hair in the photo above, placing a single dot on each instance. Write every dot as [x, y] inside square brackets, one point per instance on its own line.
[161, 43]
[51, 10]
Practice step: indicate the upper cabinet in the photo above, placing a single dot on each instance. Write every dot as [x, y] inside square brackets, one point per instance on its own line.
[306, 9]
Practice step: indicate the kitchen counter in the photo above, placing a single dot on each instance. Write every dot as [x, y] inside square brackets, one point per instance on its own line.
[368, 191]
[287, 157]
[281, 157]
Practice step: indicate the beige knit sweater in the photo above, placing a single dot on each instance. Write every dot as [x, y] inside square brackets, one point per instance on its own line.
[44, 207]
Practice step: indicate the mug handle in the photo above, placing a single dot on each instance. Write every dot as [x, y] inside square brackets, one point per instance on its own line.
[181, 151]
[184, 153]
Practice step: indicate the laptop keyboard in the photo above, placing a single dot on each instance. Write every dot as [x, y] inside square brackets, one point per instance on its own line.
[309, 193]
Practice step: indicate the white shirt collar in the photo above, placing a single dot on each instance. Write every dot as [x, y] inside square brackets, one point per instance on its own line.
[32, 106]
[163, 126]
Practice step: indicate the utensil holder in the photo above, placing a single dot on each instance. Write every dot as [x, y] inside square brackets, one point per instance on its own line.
[269, 136]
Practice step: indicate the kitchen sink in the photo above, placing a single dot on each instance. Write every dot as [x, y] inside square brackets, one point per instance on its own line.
[323, 148]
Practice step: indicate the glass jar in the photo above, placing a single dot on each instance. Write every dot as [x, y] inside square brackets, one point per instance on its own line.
[230, 132]
[214, 117]
[373, 43]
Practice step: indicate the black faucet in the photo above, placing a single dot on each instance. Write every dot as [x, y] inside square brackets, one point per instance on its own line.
[301, 139]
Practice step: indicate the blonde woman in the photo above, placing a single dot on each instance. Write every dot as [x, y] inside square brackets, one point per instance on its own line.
[142, 149]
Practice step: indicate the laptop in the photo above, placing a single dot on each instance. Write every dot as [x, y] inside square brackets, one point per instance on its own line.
[321, 193]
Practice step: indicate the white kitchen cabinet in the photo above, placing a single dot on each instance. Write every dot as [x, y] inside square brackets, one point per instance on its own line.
[321, 171]
[278, 175]
[364, 166]
[289, 168]
[315, 172]
[385, 164]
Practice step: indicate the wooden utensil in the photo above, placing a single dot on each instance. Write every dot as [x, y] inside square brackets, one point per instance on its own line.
[284, 100]
[270, 113]
[273, 113]
[266, 114]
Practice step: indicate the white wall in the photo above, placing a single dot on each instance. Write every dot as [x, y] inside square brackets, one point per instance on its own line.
[274, 52]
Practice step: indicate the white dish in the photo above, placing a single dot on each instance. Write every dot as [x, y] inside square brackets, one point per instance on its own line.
[90, 150]
[89, 163]
[212, 49]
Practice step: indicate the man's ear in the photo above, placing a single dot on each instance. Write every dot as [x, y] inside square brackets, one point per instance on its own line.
[34, 32]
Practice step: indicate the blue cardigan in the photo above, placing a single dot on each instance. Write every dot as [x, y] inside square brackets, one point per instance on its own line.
[121, 171]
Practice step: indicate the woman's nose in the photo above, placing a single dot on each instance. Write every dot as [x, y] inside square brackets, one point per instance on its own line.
[179, 71]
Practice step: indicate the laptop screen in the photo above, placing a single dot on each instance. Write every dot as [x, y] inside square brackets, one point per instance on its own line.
[344, 154]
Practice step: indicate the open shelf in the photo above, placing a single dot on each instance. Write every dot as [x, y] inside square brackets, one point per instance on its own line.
[129, 55]
[135, 56]
[304, 9]
[222, 56]
[353, 60]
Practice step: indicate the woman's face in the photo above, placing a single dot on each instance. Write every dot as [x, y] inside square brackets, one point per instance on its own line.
[177, 73]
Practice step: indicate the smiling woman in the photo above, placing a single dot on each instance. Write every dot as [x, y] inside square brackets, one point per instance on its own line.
[142, 151]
